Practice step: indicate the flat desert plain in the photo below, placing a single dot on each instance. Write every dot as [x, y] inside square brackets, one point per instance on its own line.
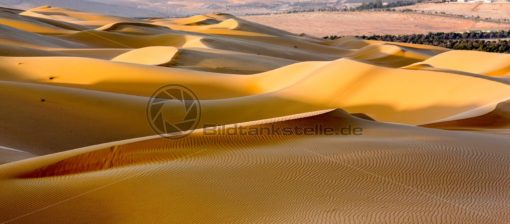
[483, 10]
[401, 133]
[322, 24]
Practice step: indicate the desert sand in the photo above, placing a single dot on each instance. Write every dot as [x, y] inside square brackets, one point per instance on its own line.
[76, 145]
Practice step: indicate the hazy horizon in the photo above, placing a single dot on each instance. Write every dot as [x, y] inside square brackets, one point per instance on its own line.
[138, 8]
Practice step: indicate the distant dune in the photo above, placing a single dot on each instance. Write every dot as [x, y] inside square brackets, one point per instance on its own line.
[371, 123]
[106, 7]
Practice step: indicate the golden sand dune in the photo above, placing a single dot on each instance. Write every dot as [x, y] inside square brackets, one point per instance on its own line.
[211, 60]
[134, 28]
[33, 24]
[389, 55]
[72, 16]
[497, 120]
[363, 88]
[148, 56]
[490, 64]
[78, 136]
[349, 42]
[397, 174]
[214, 60]
[193, 20]
[12, 36]
[221, 24]
[39, 25]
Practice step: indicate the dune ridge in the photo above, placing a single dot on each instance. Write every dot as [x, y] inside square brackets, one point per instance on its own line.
[202, 165]
[75, 138]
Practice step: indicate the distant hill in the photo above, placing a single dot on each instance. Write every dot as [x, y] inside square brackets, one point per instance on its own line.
[155, 8]
[105, 8]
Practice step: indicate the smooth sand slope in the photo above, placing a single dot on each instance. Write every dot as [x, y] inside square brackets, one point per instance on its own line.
[489, 64]
[76, 145]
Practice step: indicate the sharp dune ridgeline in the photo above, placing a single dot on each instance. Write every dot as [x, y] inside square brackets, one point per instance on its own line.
[424, 130]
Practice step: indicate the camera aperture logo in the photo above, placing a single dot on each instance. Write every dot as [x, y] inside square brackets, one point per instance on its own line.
[173, 111]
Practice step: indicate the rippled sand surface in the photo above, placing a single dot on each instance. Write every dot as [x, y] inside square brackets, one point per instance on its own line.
[420, 132]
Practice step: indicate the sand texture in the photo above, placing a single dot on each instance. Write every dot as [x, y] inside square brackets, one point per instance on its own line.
[76, 145]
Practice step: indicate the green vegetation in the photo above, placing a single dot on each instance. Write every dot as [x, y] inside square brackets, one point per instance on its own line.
[379, 5]
[491, 41]
[376, 5]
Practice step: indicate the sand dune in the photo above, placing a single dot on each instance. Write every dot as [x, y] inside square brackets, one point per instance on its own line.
[490, 64]
[374, 93]
[497, 121]
[272, 179]
[148, 56]
[72, 16]
[76, 139]
[389, 55]
[12, 36]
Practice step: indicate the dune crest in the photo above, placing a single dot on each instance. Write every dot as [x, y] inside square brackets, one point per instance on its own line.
[148, 56]
[496, 120]
[483, 63]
